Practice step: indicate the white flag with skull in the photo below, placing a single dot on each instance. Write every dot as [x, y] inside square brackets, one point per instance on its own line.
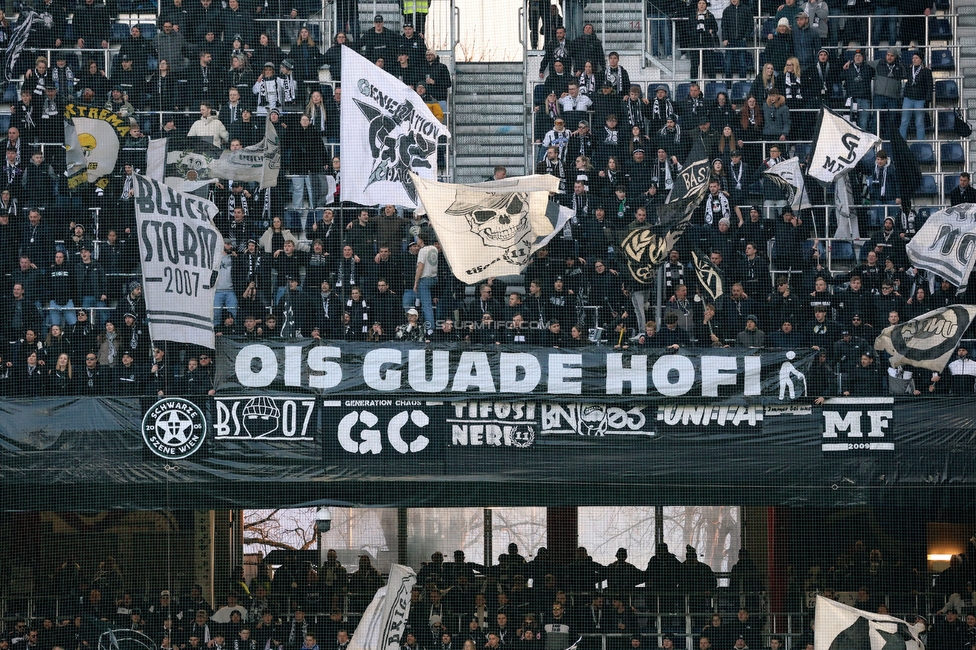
[490, 229]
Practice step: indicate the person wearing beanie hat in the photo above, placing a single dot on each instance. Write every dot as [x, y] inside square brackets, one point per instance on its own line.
[857, 77]
[918, 90]
[779, 45]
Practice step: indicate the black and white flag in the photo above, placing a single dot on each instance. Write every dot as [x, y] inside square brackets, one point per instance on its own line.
[838, 146]
[18, 41]
[180, 249]
[929, 340]
[644, 249]
[489, 229]
[693, 175]
[385, 620]
[788, 176]
[387, 132]
[946, 244]
[709, 275]
[841, 627]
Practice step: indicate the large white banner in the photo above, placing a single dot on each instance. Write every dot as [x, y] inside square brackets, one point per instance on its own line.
[946, 244]
[841, 627]
[387, 132]
[839, 146]
[489, 229]
[385, 619]
[181, 250]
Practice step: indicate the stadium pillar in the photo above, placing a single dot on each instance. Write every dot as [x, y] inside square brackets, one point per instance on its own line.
[777, 559]
[562, 534]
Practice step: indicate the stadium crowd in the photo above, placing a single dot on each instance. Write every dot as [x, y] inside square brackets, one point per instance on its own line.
[512, 604]
[300, 263]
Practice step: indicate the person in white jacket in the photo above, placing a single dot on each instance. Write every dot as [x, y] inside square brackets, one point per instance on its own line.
[209, 126]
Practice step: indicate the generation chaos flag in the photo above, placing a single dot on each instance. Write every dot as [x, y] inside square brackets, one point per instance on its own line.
[387, 132]
[709, 275]
[788, 176]
[841, 627]
[946, 244]
[385, 619]
[180, 249]
[927, 341]
[489, 229]
[91, 141]
[838, 146]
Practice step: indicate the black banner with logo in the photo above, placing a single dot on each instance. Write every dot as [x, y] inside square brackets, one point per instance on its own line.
[276, 450]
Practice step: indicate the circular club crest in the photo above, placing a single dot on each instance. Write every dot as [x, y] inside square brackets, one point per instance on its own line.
[174, 428]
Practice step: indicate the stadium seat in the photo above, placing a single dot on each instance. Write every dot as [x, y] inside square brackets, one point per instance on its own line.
[807, 246]
[906, 57]
[327, 92]
[148, 30]
[947, 123]
[741, 90]
[293, 220]
[952, 152]
[942, 60]
[4, 122]
[713, 88]
[924, 153]
[538, 95]
[949, 183]
[940, 29]
[943, 5]
[877, 214]
[802, 150]
[879, 53]
[928, 186]
[684, 89]
[842, 254]
[120, 31]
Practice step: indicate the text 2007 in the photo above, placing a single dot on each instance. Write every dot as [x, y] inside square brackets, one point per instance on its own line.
[182, 282]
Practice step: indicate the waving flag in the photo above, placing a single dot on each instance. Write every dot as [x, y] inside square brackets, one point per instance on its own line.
[92, 142]
[18, 41]
[644, 249]
[387, 132]
[385, 620]
[929, 340]
[946, 244]
[788, 176]
[710, 276]
[489, 229]
[841, 627]
[838, 146]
